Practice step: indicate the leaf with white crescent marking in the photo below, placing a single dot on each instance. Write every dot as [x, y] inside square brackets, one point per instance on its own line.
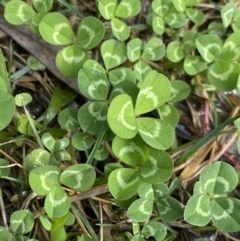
[90, 33]
[56, 29]
[128, 8]
[107, 8]
[120, 29]
[121, 118]
[154, 92]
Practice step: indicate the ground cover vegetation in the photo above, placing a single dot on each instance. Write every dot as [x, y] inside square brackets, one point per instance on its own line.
[106, 158]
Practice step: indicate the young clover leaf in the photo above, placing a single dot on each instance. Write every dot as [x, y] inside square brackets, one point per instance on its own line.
[154, 49]
[223, 75]
[82, 141]
[58, 233]
[175, 52]
[158, 134]
[179, 91]
[118, 75]
[133, 152]
[154, 92]
[120, 29]
[56, 29]
[79, 177]
[169, 113]
[101, 153]
[107, 8]
[90, 33]
[91, 116]
[42, 179]
[175, 20]
[70, 59]
[48, 141]
[134, 48]
[123, 183]
[21, 221]
[227, 13]
[67, 118]
[141, 70]
[42, 6]
[57, 202]
[128, 8]
[93, 82]
[154, 229]
[158, 168]
[113, 53]
[121, 118]
[37, 158]
[194, 64]
[18, 12]
[209, 46]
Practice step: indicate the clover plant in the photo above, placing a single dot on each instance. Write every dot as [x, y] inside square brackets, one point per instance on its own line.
[128, 112]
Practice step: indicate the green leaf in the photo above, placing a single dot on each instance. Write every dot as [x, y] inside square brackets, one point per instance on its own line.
[120, 29]
[121, 117]
[219, 178]
[160, 190]
[140, 210]
[125, 87]
[84, 237]
[37, 158]
[179, 91]
[58, 233]
[79, 177]
[189, 42]
[209, 46]
[56, 29]
[82, 141]
[170, 114]
[195, 15]
[179, 5]
[197, 210]
[224, 75]
[123, 183]
[21, 221]
[101, 153]
[113, 53]
[121, 74]
[23, 99]
[34, 64]
[92, 82]
[154, 49]
[194, 64]
[107, 8]
[224, 212]
[67, 118]
[133, 152]
[159, 134]
[158, 25]
[227, 13]
[146, 191]
[169, 209]
[7, 107]
[158, 168]
[34, 26]
[18, 12]
[48, 141]
[138, 237]
[141, 70]
[90, 33]
[70, 59]
[175, 20]
[46, 223]
[92, 116]
[134, 48]
[154, 229]
[57, 202]
[42, 179]
[4, 80]
[5, 235]
[42, 6]
[4, 171]
[175, 52]
[61, 144]
[231, 48]
[160, 7]
[154, 92]
[128, 8]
